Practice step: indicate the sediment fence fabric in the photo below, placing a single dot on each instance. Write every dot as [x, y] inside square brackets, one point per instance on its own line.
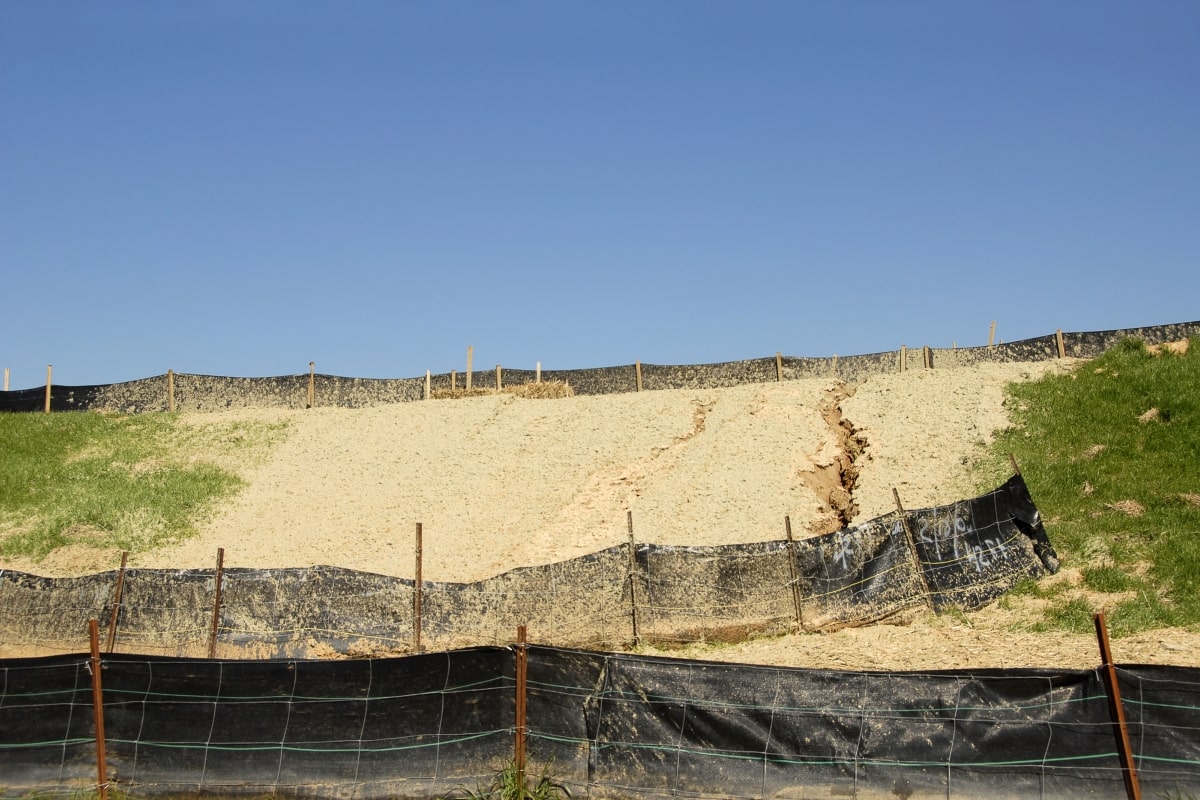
[960, 555]
[213, 393]
[605, 725]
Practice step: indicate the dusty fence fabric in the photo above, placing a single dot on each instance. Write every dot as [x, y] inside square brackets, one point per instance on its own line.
[664, 728]
[375, 728]
[956, 556]
[212, 392]
[605, 725]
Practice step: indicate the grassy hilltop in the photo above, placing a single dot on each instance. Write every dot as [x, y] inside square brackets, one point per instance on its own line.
[1111, 453]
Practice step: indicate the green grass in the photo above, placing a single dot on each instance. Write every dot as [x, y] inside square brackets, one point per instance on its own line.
[1118, 488]
[129, 482]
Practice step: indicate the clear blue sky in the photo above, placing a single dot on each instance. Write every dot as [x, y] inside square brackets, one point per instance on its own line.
[239, 188]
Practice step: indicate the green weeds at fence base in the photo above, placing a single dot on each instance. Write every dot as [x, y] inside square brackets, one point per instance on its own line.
[505, 785]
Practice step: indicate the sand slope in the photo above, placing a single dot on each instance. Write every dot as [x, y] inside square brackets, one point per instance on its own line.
[499, 482]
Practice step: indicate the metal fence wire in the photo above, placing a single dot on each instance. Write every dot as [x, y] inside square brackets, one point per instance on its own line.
[603, 724]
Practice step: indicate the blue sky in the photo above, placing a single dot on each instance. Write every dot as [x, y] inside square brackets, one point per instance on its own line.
[240, 188]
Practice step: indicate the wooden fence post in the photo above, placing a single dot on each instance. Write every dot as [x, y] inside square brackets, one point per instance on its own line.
[428, 385]
[116, 603]
[470, 357]
[499, 381]
[216, 615]
[637, 368]
[539, 372]
[1116, 710]
[794, 578]
[778, 365]
[49, 372]
[912, 547]
[1062, 346]
[633, 578]
[94, 667]
[991, 334]
[170, 390]
[6, 379]
[418, 591]
[522, 670]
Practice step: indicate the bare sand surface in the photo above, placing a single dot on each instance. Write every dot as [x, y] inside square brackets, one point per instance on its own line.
[499, 482]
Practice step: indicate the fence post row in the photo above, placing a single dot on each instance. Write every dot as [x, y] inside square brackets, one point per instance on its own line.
[95, 666]
[927, 354]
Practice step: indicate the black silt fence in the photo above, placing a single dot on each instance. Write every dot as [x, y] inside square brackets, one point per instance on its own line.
[207, 392]
[606, 725]
[958, 556]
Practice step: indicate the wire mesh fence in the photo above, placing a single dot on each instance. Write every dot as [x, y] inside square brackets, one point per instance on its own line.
[603, 724]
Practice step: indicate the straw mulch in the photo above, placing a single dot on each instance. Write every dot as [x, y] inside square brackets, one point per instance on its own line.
[546, 390]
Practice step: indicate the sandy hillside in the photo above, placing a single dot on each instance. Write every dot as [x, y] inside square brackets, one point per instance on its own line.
[500, 482]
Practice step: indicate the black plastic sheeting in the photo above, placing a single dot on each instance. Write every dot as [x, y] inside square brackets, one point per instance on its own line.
[663, 728]
[208, 392]
[958, 556]
[415, 726]
[62, 398]
[604, 724]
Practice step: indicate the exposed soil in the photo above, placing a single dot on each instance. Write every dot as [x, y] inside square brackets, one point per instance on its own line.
[835, 476]
[500, 482]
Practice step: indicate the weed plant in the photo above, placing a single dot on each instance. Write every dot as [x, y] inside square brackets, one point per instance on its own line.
[114, 481]
[1111, 452]
[506, 784]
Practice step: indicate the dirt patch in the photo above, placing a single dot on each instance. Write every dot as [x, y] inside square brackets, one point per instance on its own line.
[833, 473]
[1130, 508]
[1177, 348]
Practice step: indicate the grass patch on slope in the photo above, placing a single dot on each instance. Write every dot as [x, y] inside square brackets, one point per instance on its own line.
[130, 482]
[1111, 452]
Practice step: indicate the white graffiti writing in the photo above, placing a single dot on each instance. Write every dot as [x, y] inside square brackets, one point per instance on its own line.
[844, 550]
[947, 536]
